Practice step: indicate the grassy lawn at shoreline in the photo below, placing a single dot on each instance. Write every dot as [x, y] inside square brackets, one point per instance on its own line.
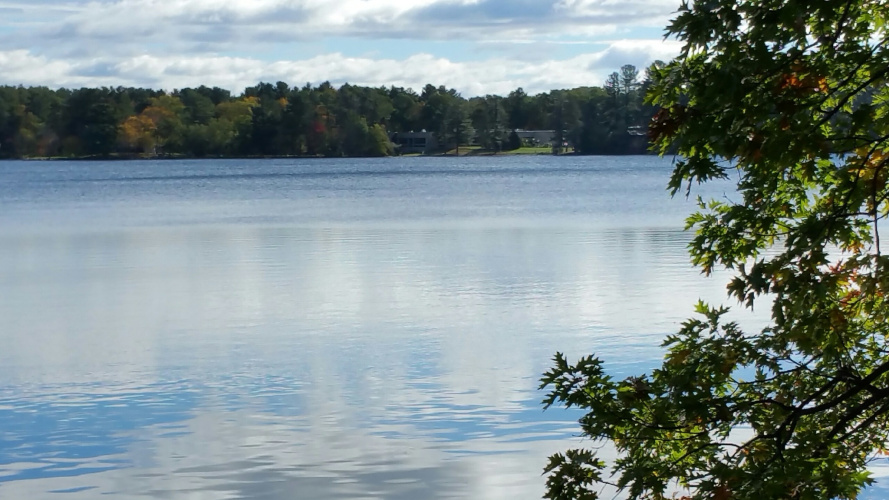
[479, 151]
[539, 150]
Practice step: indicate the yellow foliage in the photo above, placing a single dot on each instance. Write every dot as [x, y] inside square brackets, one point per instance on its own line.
[157, 114]
[137, 132]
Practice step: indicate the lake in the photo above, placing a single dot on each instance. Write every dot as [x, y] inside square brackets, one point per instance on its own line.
[320, 328]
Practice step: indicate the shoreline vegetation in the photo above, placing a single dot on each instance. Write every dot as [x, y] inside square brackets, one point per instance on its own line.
[465, 151]
[280, 121]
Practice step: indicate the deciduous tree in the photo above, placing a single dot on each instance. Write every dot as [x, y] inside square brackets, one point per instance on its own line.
[791, 100]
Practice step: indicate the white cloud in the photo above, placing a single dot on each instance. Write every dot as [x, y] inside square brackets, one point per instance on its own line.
[225, 23]
[497, 75]
[476, 46]
[22, 67]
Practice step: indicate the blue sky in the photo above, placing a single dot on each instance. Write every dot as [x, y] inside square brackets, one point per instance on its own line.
[475, 46]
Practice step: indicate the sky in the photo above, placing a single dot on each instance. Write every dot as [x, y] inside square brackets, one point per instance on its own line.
[475, 46]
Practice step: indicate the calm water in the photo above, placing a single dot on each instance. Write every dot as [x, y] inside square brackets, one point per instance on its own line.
[319, 329]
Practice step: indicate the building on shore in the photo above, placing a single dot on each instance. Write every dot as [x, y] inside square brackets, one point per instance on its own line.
[537, 137]
[414, 142]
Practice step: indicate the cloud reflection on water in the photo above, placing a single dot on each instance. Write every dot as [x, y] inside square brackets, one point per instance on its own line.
[248, 360]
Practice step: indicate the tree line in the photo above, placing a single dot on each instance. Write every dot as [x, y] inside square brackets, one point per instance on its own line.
[280, 120]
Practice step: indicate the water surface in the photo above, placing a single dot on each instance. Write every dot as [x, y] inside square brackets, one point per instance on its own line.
[320, 329]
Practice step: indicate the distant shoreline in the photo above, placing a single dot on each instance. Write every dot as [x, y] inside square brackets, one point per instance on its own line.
[470, 154]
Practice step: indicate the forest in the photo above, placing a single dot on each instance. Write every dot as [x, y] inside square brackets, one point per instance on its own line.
[280, 120]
